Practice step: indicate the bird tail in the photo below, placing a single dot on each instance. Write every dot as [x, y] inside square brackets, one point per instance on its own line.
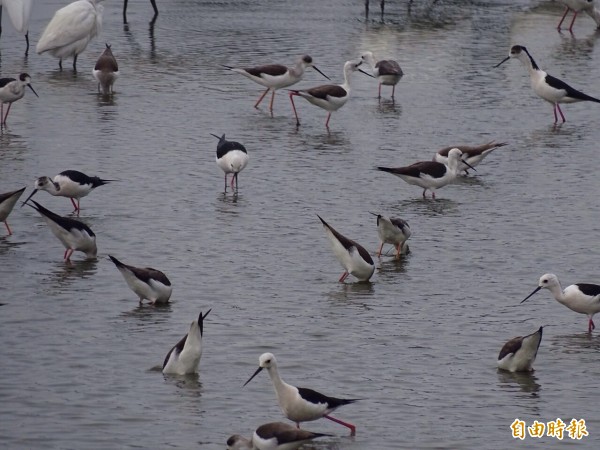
[337, 402]
[96, 181]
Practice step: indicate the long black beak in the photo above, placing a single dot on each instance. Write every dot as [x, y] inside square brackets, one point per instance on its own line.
[376, 215]
[468, 165]
[255, 373]
[366, 73]
[502, 62]
[218, 137]
[33, 90]
[32, 194]
[536, 289]
[315, 67]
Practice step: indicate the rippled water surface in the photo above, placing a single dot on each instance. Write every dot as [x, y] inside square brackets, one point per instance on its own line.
[418, 344]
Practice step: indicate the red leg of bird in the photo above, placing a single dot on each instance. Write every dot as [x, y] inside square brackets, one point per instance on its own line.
[294, 106]
[343, 277]
[233, 178]
[563, 18]
[2, 113]
[591, 325]
[7, 227]
[379, 92]
[555, 115]
[572, 22]
[65, 255]
[433, 194]
[261, 98]
[561, 113]
[341, 422]
[398, 248]
[7, 111]
[68, 254]
[271, 104]
[380, 248]
[327, 122]
[74, 204]
[393, 90]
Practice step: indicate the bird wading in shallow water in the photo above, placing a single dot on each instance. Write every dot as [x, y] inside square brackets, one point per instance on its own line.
[518, 354]
[71, 29]
[329, 97]
[74, 235]
[547, 87]
[148, 283]
[393, 231]
[19, 12]
[473, 155]
[387, 71]
[276, 76]
[184, 357]
[7, 203]
[232, 157]
[353, 257]
[273, 436]
[71, 184]
[583, 298]
[576, 6]
[106, 71]
[301, 404]
[11, 90]
[430, 175]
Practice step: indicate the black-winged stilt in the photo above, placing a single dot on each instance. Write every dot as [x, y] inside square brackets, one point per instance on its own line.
[551, 89]
[300, 404]
[184, 357]
[583, 298]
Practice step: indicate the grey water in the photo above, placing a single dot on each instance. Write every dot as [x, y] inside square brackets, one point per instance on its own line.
[418, 344]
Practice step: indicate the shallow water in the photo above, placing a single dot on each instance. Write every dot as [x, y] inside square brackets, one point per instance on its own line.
[418, 344]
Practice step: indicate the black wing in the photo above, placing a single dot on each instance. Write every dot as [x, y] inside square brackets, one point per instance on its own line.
[589, 289]
[65, 222]
[571, 92]
[348, 243]
[511, 346]
[177, 348]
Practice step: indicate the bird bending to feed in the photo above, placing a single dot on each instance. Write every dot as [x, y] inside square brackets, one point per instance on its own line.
[19, 12]
[583, 298]
[106, 71]
[70, 183]
[7, 203]
[518, 354]
[11, 90]
[147, 283]
[472, 155]
[273, 436]
[577, 6]
[551, 89]
[184, 357]
[329, 97]
[387, 71]
[300, 404]
[152, 2]
[74, 235]
[232, 157]
[352, 256]
[276, 76]
[393, 231]
[430, 175]
[71, 29]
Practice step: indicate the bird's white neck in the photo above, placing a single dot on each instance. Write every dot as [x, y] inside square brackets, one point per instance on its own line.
[298, 70]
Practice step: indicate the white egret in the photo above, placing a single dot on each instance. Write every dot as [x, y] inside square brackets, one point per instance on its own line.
[19, 12]
[71, 29]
